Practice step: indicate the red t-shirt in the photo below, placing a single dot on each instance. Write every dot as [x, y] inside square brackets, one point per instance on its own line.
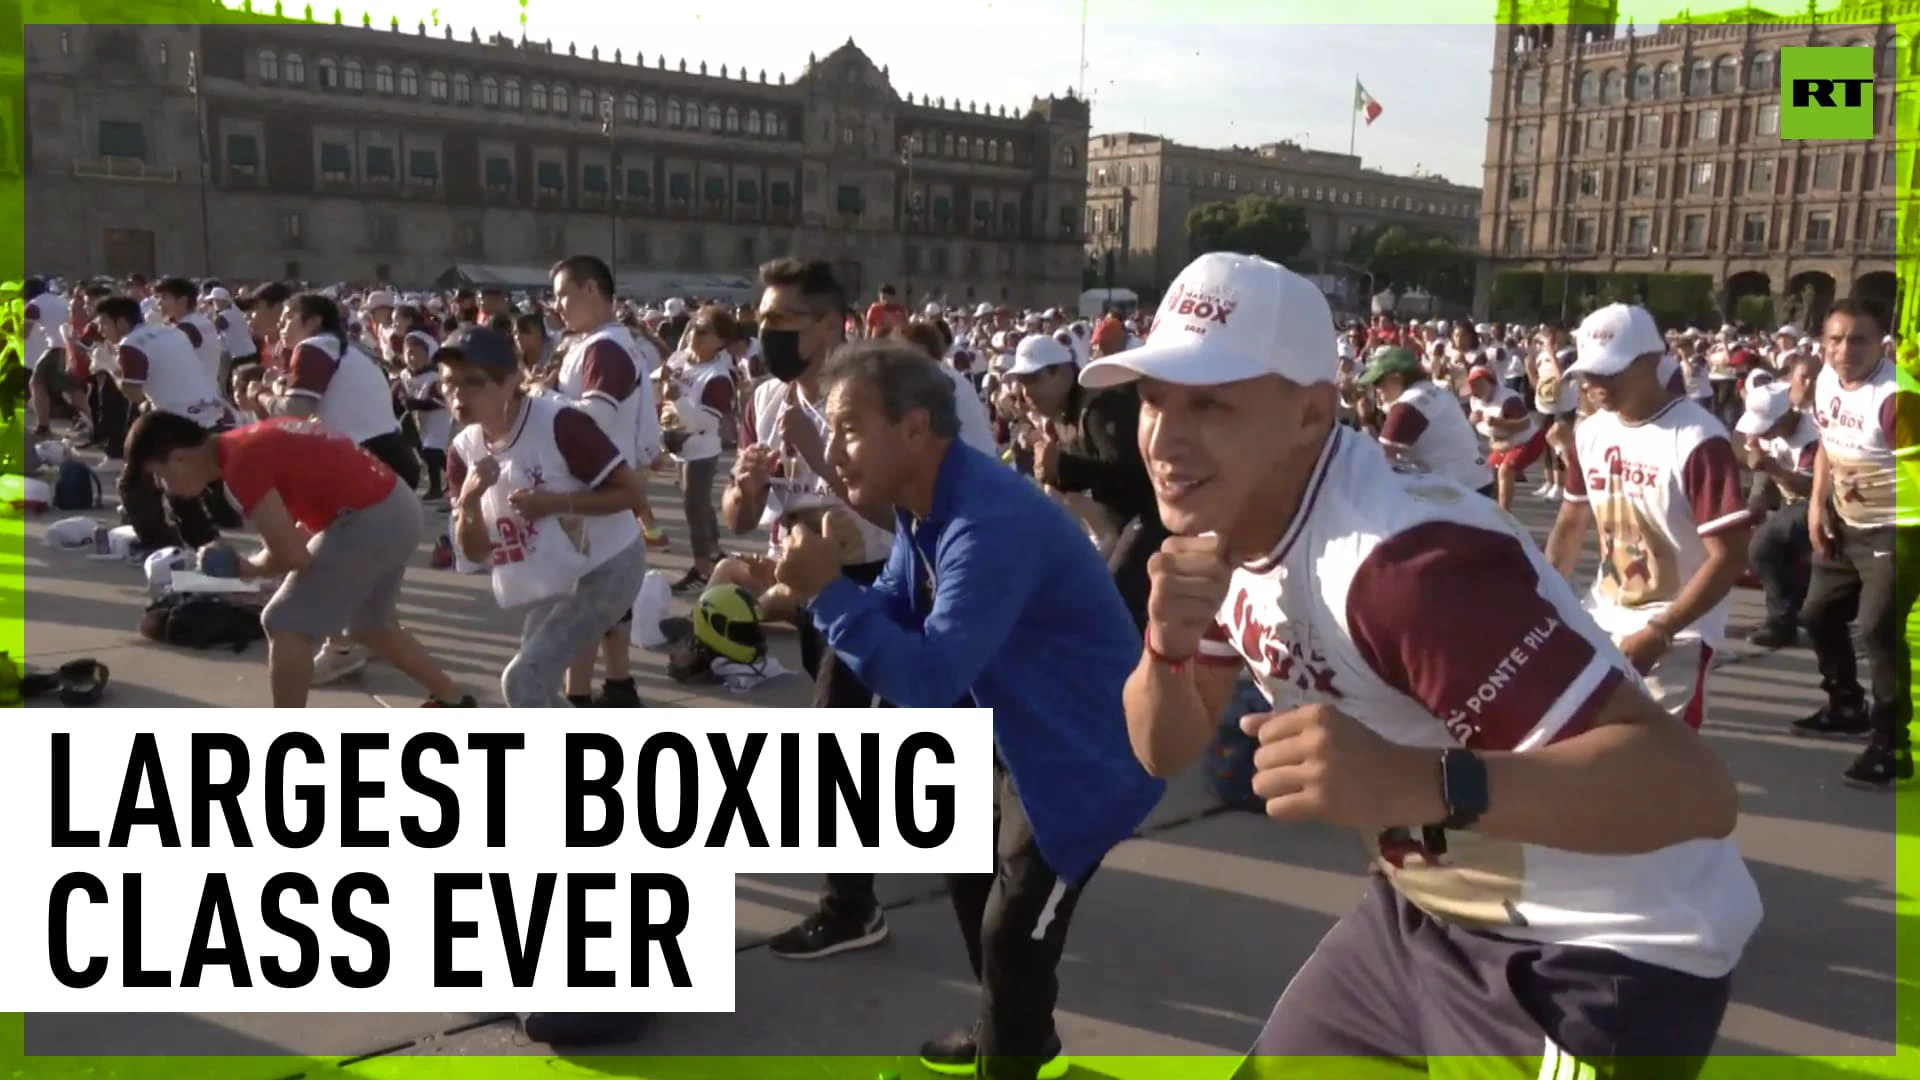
[882, 318]
[317, 473]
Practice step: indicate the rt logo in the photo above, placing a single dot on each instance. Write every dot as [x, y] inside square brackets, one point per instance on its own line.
[1826, 93]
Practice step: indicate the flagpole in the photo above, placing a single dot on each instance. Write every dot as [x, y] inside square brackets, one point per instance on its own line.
[1353, 122]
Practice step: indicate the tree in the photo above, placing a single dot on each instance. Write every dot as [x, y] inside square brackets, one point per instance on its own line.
[1406, 257]
[1274, 229]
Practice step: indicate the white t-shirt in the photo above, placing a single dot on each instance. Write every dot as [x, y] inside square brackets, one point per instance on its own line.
[1656, 487]
[46, 318]
[606, 373]
[162, 362]
[705, 404]
[795, 487]
[976, 427]
[238, 336]
[1794, 452]
[354, 397]
[1504, 404]
[205, 339]
[1426, 428]
[1359, 606]
[1873, 478]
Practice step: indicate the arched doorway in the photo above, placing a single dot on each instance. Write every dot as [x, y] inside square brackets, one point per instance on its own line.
[1749, 300]
[1809, 295]
[1880, 287]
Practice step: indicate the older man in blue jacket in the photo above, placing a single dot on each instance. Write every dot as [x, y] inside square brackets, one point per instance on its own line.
[992, 591]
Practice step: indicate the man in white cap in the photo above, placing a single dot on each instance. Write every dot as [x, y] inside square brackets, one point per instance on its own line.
[1782, 443]
[1658, 475]
[1519, 786]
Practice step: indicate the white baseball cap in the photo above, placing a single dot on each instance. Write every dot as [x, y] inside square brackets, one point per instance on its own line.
[1227, 318]
[933, 311]
[676, 307]
[1612, 338]
[1037, 353]
[378, 299]
[984, 311]
[1766, 406]
[219, 294]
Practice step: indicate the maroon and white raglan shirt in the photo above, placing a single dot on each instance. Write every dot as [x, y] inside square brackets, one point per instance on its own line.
[204, 338]
[231, 324]
[1504, 404]
[1657, 487]
[1359, 607]
[46, 328]
[161, 361]
[1424, 427]
[353, 395]
[1873, 480]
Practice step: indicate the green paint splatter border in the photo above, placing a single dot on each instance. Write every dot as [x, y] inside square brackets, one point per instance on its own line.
[13, 639]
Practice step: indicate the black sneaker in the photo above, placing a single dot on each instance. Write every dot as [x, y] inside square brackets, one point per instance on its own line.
[1879, 768]
[617, 695]
[466, 702]
[957, 1054]
[691, 581]
[580, 1029]
[1775, 636]
[821, 935]
[1834, 722]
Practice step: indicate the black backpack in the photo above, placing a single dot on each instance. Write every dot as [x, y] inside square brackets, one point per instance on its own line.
[77, 487]
[202, 621]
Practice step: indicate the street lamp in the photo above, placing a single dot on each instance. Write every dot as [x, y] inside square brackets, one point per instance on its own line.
[200, 130]
[613, 210]
[909, 146]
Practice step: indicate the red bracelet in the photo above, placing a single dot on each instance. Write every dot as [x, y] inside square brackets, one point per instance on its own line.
[1178, 667]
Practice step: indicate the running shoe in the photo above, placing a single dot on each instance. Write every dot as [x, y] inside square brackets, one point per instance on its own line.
[332, 665]
[1775, 635]
[1848, 721]
[691, 581]
[618, 694]
[466, 702]
[580, 1029]
[821, 935]
[958, 1053]
[1879, 768]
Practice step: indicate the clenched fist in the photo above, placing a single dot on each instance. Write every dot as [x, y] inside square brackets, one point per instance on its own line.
[1189, 577]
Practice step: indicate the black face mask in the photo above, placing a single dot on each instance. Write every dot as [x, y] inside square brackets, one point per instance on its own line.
[780, 349]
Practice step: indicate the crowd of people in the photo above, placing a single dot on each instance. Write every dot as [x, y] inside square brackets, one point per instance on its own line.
[1099, 529]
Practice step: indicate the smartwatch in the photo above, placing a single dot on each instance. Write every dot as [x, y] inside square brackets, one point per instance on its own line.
[1463, 788]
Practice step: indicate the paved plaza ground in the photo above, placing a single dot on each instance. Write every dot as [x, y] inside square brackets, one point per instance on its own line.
[1179, 948]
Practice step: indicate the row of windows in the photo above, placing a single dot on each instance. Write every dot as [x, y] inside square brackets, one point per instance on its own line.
[1115, 175]
[949, 145]
[1693, 233]
[1830, 171]
[458, 88]
[1704, 76]
[1709, 124]
[470, 239]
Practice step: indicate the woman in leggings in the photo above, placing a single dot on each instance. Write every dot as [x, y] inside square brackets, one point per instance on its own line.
[544, 498]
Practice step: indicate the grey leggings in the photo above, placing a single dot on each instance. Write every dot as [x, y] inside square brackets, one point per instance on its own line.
[556, 631]
[696, 499]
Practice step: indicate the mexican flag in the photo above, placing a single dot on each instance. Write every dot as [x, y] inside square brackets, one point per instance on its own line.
[1364, 103]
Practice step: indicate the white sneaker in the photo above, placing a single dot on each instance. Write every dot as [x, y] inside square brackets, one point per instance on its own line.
[1542, 491]
[332, 665]
[1554, 493]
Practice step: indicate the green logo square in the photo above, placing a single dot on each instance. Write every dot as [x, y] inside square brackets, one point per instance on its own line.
[1826, 93]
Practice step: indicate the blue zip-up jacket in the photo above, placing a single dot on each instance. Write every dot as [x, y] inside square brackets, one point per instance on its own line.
[1025, 617]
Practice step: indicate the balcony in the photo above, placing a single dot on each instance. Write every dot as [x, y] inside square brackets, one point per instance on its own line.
[1750, 247]
[121, 168]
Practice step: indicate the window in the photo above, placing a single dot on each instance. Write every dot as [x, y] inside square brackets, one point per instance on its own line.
[437, 85]
[1649, 133]
[499, 175]
[780, 193]
[1597, 133]
[380, 163]
[326, 74]
[1588, 90]
[243, 155]
[993, 151]
[1589, 183]
[336, 161]
[1642, 83]
[1586, 233]
[1520, 186]
[122, 139]
[293, 226]
[680, 187]
[753, 121]
[1819, 230]
[1010, 217]
[550, 178]
[591, 106]
[746, 193]
[423, 167]
[1753, 232]
[1615, 88]
[293, 70]
[1216, 178]
[983, 212]
[1760, 72]
[593, 179]
[1888, 171]
[714, 118]
[848, 200]
[673, 112]
[409, 82]
[1666, 84]
[351, 77]
[510, 93]
[266, 64]
[1766, 120]
[849, 137]
[649, 110]
[1516, 238]
[1526, 140]
[1700, 78]
[733, 121]
[1886, 228]
[630, 109]
[537, 97]
[1530, 87]
[560, 99]
[1233, 181]
[462, 90]
[1706, 125]
[1639, 234]
[775, 127]
[1826, 171]
[1887, 64]
[640, 184]
[1693, 233]
[489, 91]
[1760, 174]
[1069, 217]
[716, 190]
[1726, 75]
[1700, 180]
[383, 79]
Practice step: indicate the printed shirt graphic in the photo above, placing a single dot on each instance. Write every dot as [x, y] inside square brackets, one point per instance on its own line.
[1869, 445]
[1359, 607]
[1656, 487]
[161, 360]
[1428, 429]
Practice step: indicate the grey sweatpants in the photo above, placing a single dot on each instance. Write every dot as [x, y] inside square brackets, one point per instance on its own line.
[696, 499]
[556, 631]
[354, 579]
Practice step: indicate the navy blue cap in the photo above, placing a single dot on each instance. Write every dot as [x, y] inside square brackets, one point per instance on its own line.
[480, 346]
